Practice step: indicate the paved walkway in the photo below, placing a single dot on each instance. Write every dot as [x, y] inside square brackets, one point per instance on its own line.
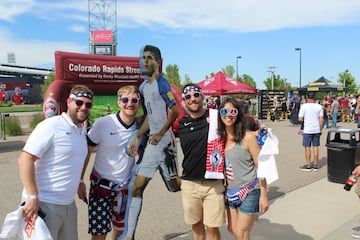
[321, 211]
[304, 205]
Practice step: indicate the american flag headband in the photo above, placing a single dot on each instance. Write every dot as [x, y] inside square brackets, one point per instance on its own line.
[190, 89]
[81, 94]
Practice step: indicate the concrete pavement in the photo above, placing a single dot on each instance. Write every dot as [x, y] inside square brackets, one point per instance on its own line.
[321, 211]
[304, 205]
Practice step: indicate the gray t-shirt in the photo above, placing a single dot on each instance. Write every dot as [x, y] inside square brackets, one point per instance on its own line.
[335, 104]
[240, 167]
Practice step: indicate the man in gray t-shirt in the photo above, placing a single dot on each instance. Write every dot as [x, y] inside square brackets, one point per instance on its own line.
[334, 109]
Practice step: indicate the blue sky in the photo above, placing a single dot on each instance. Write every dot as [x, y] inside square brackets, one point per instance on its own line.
[200, 36]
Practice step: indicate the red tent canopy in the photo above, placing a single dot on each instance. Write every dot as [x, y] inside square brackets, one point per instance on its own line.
[221, 84]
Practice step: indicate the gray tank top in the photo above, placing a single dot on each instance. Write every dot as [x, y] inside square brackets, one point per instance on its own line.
[242, 165]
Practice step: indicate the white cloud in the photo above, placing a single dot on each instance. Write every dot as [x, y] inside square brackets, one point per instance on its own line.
[238, 15]
[228, 15]
[9, 9]
[38, 53]
[78, 28]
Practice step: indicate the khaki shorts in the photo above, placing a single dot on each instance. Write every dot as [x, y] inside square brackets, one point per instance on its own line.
[203, 201]
[345, 111]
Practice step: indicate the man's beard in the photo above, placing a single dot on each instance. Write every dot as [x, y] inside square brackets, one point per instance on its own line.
[195, 110]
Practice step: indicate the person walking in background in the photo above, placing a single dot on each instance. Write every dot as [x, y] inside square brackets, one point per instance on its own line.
[211, 103]
[311, 114]
[357, 109]
[284, 109]
[353, 107]
[18, 97]
[160, 152]
[50, 165]
[334, 109]
[303, 100]
[110, 175]
[345, 109]
[246, 195]
[325, 107]
[203, 199]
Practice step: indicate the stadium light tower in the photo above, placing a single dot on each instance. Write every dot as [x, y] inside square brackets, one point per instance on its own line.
[102, 27]
[272, 70]
[299, 49]
[237, 73]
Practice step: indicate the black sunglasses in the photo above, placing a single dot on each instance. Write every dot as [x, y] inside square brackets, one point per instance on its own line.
[126, 100]
[195, 95]
[79, 103]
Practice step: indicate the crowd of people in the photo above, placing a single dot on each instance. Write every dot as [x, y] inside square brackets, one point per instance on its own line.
[55, 157]
[336, 108]
[129, 150]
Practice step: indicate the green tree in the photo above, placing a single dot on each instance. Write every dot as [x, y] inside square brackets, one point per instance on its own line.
[248, 80]
[284, 85]
[187, 80]
[349, 80]
[172, 75]
[48, 80]
[229, 71]
[279, 83]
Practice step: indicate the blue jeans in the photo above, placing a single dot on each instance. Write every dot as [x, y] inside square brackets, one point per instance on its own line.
[334, 119]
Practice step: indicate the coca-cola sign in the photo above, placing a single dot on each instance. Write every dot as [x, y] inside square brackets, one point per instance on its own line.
[102, 36]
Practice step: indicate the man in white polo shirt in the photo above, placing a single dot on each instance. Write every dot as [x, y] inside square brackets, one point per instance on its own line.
[50, 165]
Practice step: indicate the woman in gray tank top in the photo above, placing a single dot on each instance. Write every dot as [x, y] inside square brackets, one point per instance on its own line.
[246, 195]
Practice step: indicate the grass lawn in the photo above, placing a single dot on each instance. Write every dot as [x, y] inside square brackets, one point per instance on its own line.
[103, 105]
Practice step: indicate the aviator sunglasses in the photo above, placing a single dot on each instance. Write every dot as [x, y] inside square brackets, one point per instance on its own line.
[126, 100]
[79, 103]
[195, 95]
[228, 112]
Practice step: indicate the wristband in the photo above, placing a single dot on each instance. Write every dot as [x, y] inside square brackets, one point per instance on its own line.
[81, 181]
[33, 196]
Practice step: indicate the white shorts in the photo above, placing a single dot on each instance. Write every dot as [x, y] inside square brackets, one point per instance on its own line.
[155, 159]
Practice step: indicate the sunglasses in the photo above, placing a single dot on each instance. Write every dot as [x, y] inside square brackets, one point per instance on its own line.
[126, 100]
[79, 103]
[195, 95]
[228, 112]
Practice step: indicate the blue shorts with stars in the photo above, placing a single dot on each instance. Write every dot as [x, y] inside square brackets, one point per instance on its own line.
[106, 209]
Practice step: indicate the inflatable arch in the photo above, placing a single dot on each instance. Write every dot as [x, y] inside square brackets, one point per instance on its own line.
[102, 74]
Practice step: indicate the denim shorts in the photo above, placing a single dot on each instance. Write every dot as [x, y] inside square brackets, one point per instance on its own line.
[250, 205]
[311, 140]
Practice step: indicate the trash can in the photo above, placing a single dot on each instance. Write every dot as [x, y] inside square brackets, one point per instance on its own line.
[343, 153]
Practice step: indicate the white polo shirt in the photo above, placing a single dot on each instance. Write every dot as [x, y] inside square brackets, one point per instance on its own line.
[61, 147]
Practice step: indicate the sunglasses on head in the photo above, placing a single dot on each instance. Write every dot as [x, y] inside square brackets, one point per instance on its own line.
[79, 103]
[195, 95]
[126, 100]
[228, 112]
